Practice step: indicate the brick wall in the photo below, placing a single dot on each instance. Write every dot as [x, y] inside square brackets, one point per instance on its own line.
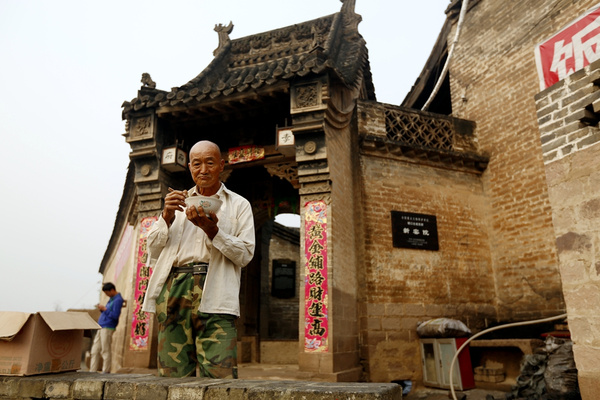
[498, 260]
[403, 286]
[571, 142]
[493, 82]
[567, 114]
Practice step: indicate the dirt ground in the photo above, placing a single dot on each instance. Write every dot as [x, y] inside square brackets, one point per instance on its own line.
[440, 394]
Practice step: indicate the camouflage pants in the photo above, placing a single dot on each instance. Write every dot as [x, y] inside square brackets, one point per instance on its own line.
[187, 338]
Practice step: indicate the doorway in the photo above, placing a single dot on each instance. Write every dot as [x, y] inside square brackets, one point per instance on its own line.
[268, 327]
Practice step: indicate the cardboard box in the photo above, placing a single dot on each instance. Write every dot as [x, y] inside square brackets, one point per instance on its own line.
[43, 342]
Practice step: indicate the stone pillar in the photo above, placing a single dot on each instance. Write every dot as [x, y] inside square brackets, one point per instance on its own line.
[568, 115]
[151, 182]
[142, 136]
[328, 318]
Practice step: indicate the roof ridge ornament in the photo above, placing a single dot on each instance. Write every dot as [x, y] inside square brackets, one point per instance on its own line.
[351, 18]
[147, 81]
[223, 32]
[316, 40]
[348, 6]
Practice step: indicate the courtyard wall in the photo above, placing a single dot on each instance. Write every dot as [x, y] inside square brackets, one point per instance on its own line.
[568, 119]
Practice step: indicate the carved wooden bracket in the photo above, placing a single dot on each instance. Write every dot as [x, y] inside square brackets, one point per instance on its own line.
[140, 128]
[307, 96]
[287, 171]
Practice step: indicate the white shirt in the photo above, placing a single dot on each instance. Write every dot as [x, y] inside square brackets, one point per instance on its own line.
[195, 246]
[231, 250]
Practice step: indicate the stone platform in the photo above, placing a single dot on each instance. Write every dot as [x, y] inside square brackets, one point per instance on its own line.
[95, 386]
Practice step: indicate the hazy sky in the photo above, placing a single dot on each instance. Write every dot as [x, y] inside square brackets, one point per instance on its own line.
[67, 66]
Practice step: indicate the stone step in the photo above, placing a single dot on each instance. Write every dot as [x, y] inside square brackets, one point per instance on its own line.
[95, 386]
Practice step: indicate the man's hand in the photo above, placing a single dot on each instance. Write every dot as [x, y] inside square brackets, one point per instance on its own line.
[208, 223]
[174, 201]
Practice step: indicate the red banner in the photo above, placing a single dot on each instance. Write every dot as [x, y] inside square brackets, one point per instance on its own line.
[140, 320]
[245, 154]
[316, 314]
[571, 49]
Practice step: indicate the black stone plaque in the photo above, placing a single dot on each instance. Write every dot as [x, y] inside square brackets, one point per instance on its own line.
[414, 231]
[283, 283]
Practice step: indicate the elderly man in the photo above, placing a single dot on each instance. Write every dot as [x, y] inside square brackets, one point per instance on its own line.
[197, 260]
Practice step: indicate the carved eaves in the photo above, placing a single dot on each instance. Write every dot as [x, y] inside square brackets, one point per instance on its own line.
[249, 65]
[287, 171]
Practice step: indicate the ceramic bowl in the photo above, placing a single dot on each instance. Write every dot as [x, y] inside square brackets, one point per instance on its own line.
[210, 204]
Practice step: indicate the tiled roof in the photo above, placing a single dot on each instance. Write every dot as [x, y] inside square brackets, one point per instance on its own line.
[328, 44]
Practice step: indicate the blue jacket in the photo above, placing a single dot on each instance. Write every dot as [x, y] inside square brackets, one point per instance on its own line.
[110, 317]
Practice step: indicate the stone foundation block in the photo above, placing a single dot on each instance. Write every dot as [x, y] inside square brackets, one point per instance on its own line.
[90, 386]
[491, 375]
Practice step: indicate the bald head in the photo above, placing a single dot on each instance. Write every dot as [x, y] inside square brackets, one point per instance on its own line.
[205, 145]
[205, 166]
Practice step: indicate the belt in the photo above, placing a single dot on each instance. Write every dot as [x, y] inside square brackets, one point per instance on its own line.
[194, 268]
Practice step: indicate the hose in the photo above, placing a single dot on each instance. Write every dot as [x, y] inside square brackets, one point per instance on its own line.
[495, 328]
[463, 11]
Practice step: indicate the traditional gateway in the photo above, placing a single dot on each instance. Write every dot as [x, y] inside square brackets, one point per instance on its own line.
[295, 114]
